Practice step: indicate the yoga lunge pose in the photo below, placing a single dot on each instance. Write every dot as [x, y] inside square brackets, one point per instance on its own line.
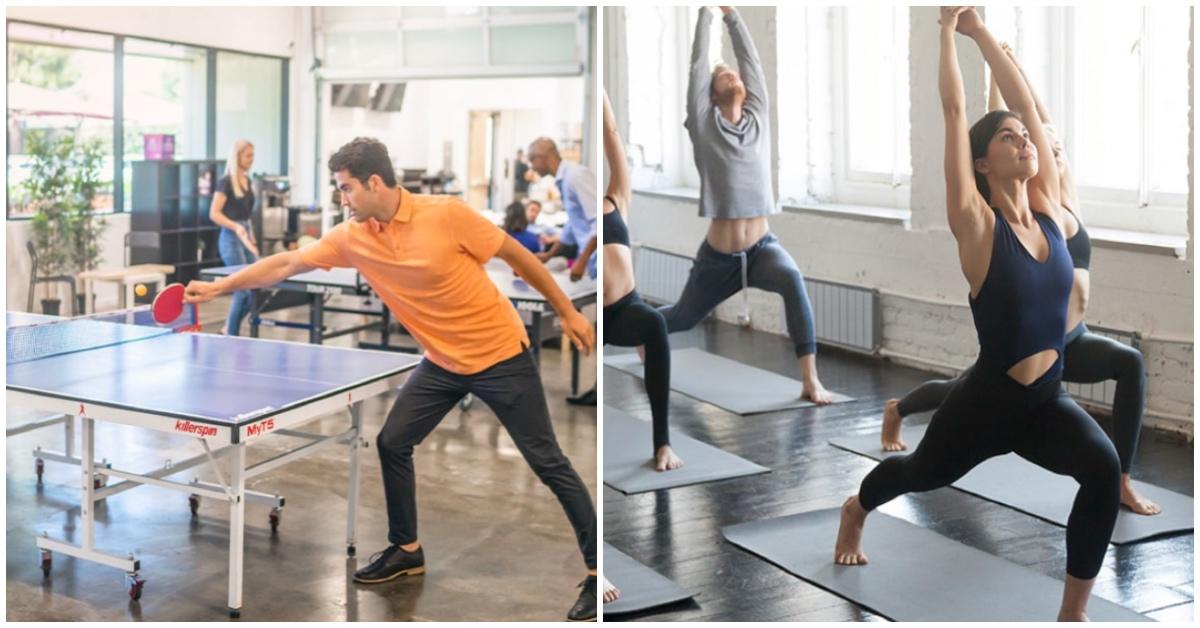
[1005, 212]
[1088, 357]
[424, 256]
[628, 321]
[728, 120]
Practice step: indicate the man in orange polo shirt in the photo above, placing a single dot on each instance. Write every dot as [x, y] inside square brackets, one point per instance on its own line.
[424, 255]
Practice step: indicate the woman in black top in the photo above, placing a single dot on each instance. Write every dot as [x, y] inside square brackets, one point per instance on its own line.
[232, 204]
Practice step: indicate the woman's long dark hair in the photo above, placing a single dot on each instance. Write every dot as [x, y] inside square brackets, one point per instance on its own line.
[515, 219]
[981, 135]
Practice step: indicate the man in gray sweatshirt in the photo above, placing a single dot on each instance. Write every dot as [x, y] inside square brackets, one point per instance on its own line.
[728, 120]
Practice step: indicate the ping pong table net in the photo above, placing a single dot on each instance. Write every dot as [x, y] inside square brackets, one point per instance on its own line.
[61, 336]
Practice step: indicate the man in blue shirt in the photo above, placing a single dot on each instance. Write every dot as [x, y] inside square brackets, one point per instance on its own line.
[577, 187]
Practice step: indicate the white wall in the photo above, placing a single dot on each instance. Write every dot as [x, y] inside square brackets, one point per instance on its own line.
[926, 319]
[261, 30]
[439, 111]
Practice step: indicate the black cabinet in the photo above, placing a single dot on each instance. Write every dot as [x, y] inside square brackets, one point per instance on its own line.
[169, 221]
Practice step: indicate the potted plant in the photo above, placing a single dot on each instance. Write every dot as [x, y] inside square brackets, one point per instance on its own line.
[63, 180]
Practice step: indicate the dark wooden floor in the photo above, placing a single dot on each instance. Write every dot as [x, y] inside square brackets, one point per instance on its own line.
[678, 532]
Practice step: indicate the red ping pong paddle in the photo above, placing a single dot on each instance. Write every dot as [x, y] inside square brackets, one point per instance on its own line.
[168, 304]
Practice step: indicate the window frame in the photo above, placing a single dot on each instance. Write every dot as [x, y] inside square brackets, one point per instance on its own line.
[119, 93]
[1143, 209]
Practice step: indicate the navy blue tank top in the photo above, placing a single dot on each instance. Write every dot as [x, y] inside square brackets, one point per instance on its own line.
[615, 231]
[1021, 309]
[1080, 246]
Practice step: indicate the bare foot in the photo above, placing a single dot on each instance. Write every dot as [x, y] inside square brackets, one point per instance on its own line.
[1135, 502]
[816, 393]
[891, 427]
[1079, 617]
[666, 460]
[1076, 593]
[848, 548]
[611, 593]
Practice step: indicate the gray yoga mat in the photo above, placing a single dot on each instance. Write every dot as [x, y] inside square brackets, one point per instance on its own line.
[914, 574]
[1017, 483]
[628, 467]
[736, 387]
[641, 587]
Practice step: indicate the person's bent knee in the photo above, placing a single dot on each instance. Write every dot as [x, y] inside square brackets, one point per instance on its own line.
[1131, 364]
[393, 443]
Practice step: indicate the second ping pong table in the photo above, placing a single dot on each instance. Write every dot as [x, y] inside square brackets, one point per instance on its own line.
[224, 392]
[319, 285]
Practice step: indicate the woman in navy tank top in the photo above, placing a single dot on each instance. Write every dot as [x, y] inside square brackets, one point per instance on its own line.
[1004, 208]
[1087, 357]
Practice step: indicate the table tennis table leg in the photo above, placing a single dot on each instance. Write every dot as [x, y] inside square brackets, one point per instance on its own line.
[535, 336]
[352, 492]
[237, 514]
[574, 370]
[316, 319]
[69, 435]
[87, 472]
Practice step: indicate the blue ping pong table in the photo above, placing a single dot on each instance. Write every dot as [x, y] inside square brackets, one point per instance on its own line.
[225, 393]
[320, 284]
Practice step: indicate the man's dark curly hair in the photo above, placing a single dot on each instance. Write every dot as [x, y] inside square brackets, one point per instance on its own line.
[363, 157]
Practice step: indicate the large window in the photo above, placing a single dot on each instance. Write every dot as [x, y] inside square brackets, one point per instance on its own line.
[63, 81]
[165, 94]
[658, 41]
[850, 80]
[1115, 82]
[59, 82]
[249, 106]
[474, 40]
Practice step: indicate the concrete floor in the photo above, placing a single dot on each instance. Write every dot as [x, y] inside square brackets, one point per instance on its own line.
[497, 544]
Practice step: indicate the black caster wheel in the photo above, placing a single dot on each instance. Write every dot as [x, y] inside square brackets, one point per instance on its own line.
[194, 503]
[235, 613]
[276, 513]
[351, 550]
[47, 563]
[135, 584]
[39, 467]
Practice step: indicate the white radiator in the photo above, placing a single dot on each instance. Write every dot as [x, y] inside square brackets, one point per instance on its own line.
[845, 316]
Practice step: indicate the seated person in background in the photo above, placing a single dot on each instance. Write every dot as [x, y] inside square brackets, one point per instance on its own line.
[532, 210]
[516, 224]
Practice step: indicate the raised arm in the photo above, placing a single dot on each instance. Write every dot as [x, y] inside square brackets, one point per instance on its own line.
[965, 208]
[1066, 184]
[619, 187]
[749, 65]
[699, 94]
[1043, 188]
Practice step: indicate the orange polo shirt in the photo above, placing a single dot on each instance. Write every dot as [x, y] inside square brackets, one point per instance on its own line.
[426, 263]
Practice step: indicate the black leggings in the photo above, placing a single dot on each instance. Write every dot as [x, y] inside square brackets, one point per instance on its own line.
[631, 323]
[1088, 358]
[513, 390]
[988, 414]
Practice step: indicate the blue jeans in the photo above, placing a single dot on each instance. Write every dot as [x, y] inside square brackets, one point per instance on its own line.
[716, 276]
[233, 253]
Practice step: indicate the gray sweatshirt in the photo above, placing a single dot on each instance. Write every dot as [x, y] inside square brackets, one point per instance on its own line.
[734, 160]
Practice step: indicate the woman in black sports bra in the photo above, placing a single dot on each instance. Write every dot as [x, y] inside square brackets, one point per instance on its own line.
[628, 321]
[1087, 358]
[1005, 213]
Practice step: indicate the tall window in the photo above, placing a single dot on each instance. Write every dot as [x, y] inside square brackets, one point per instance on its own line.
[59, 82]
[165, 93]
[249, 106]
[1115, 81]
[849, 77]
[658, 41]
